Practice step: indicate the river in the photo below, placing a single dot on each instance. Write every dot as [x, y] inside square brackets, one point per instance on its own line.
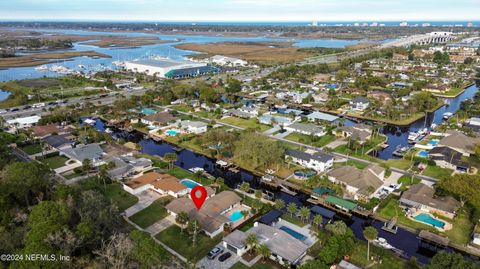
[165, 50]
[403, 240]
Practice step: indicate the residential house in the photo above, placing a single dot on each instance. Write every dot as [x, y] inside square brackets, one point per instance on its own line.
[285, 248]
[359, 103]
[162, 183]
[126, 166]
[269, 119]
[22, 123]
[448, 158]
[360, 132]
[41, 131]
[239, 114]
[422, 197]
[320, 116]
[359, 183]
[460, 142]
[474, 124]
[435, 88]
[92, 152]
[249, 110]
[306, 129]
[212, 216]
[195, 127]
[159, 118]
[319, 161]
[59, 142]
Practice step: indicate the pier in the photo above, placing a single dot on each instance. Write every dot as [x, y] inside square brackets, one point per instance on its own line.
[391, 226]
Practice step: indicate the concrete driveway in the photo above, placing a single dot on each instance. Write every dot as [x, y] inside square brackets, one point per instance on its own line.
[145, 199]
[206, 263]
[160, 225]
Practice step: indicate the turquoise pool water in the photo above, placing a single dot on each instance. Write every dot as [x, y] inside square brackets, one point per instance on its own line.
[433, 142]
[423, 154]
[148, 111]
[236, 216]
[430, 220]
[171, 132]
[305, 173]
[293, 233]
[189, 183]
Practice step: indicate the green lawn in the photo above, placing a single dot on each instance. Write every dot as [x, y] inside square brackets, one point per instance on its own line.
[407, 181]
[115, 193]
[403, 164]
[462, 227]
[55, 162]
[389, 260]
[153, 213]
[293, 220]
[244, 123]
[306, 139]
[361, 152]
[182, 243]
[32, 149]
[437, 172]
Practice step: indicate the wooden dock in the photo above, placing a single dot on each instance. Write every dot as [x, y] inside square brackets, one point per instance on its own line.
[391, 226]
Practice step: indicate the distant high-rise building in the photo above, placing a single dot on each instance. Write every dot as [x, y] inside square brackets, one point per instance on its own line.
[374, 24]
[314, 23]
[403, 24]
[426, 24]
[364, 24]
[470, 24]
[356, 24]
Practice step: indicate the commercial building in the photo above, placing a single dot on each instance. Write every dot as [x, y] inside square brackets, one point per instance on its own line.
[168, 68]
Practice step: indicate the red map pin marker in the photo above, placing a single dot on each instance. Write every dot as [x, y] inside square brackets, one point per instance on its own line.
[198, 195]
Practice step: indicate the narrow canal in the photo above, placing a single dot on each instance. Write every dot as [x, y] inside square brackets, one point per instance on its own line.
[404, 240]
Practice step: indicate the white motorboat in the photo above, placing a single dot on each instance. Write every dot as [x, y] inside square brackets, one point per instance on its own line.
[43, 68]
[447, 115]
[196, 170]
[413, 136]
[382, 242]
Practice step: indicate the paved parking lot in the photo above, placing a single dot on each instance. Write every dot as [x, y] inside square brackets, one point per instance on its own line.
[206, 263]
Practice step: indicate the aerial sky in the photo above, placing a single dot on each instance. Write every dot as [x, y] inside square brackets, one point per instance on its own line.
[241, 10]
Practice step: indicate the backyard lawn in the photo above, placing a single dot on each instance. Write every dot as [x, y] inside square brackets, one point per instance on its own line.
[153, 213]
[403, 164]
[55, 162]
[243, 123]
[306, 139]
[293, 220]
[437, 172]
[407, 181]
[32, 149]
[182, 243]
[117, 195]
[389, 260]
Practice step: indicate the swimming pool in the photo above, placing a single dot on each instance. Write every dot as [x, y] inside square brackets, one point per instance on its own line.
[423, 154]
[305, 173]
[148, 111]
[293, 233]
[433, 142]
[189, 183]
[236, 216]
[171, 132]
[430, 220]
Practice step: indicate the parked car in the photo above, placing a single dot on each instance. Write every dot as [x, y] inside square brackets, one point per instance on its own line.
[27, 107]
[225, 257]
[214, 252]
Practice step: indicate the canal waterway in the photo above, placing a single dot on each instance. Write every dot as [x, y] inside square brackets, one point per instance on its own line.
[404, 240]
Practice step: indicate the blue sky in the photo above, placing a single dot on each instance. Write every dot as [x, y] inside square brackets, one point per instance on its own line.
[242, 10]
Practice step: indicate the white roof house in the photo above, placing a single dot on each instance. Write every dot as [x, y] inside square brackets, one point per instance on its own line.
[24, 122]
[196, 127]
[321, 116]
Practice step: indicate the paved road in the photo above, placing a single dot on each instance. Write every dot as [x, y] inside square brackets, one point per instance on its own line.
[94, 99]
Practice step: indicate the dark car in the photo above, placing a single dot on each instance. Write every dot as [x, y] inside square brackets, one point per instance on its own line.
[225, 256]
[27, 107]
[14, 109]
[214, 252]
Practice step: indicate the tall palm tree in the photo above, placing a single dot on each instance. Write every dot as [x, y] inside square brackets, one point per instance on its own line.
[292, 208]
[251, 241]
[264, 251]
[304, 213]
[245, 187]
[370, 233]
[170, 158]
[182, 219]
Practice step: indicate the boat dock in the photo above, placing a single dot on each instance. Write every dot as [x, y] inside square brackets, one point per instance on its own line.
[391, 226]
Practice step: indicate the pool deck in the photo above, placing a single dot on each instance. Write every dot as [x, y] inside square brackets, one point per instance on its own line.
[240, 208]
[447, 226]
[305, 231]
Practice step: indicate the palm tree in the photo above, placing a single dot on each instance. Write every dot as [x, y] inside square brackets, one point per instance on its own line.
[245, 213]
[292, 208]
[304, 213]
[264, 251]
[170, 158]
[251, 241]
[86, 166]
[245, 187]
[258, 194]
[182, 219]
[370, 233]
[317, 220]
[279, 204]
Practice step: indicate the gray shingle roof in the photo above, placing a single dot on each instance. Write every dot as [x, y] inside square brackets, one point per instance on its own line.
[84, 152]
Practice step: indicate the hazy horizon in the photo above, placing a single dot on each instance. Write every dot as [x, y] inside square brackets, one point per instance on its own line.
[240, 10]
